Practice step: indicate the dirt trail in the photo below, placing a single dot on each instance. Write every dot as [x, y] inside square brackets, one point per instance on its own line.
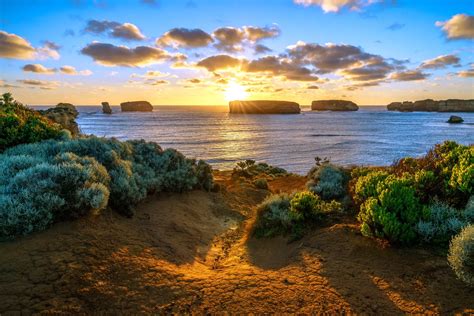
[192, 253]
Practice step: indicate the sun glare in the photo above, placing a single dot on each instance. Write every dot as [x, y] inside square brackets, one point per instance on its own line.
[234, 91]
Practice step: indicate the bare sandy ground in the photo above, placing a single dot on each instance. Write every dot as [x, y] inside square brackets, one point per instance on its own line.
[191, 253]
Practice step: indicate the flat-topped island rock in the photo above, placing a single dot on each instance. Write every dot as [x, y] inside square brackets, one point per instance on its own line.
[264, 107]
[429, 105]
[136, 106]
[333, 105]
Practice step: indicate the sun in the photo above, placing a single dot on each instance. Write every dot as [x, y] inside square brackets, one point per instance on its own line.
[234, 91]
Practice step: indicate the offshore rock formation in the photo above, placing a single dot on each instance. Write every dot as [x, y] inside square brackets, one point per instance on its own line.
[64, 114]
[429, 105]
[264, 107]
[453, 119]
[333, 105]
[106, 108]
[140, 106]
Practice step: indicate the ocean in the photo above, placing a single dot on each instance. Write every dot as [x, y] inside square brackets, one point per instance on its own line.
[370, 136]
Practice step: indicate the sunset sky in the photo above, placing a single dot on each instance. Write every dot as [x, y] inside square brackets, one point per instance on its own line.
[192, 52]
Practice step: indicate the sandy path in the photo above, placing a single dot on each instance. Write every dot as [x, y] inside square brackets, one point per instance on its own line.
[191, 253]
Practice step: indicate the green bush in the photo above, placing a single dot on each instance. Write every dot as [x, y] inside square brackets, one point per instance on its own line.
[440, 223]
[461, 255]
[21, 125]
[63, 179]
[284, 214]
[250, 169]
[261, 183]
[328, 181]
[390, 208]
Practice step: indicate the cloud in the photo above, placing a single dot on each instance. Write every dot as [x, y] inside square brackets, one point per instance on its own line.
[312, 87]
[16, 47]
[150, 74]
[277, 67]
[229, 38]
[441, 62]
[232, 39]
[409, 75]
[157, 82]
[261, 49]
[395, 26]
[460, 26]
[255, 34]
[466, 73]
[38, 68]
[42, 84]
[219, 62]
[336, 5]
[182, 37]
[375, 68]
[48, 50]
[70, 70]
[111, 55]
[127, 31]
[194, 80]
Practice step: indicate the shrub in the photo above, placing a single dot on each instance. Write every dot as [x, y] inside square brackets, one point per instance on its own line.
[250, 169]
[461, 255]
[440, 223]
[261, 183]
[328, 181]
[304, 205]
[21, 125]
[390, 208]
[284, 214]
[273, 216]
[66, 179]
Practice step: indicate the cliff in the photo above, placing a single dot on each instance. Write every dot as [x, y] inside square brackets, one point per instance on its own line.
[429, 105]
[333, 105]
[64, 114]
[140, 106]
[264, 107]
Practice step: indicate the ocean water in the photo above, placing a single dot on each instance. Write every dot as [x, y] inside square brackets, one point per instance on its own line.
[370, 136]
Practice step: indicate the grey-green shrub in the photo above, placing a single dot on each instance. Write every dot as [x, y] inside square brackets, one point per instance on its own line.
[261, 183]
[440, 223]
[328, 181]
[273, 216]
[64, 179]
[461, 255]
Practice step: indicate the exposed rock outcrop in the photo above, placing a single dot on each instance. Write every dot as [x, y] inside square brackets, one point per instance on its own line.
[264, 107]
[64, 114]
[106, 108]
[429, 105]
[139, 106]
[333, 105]
[453, 119]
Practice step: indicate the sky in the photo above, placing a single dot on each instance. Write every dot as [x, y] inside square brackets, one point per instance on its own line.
[208, 52]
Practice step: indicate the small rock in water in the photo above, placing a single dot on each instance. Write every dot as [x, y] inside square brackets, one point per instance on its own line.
[106, 108]
[455, 119]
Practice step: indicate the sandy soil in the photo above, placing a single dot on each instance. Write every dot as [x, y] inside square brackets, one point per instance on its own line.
[192, 253]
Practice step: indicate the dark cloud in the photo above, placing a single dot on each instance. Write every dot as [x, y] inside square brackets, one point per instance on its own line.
[441, 62]
[114, 29]
[409, 75]
[194, 80]
[375, 68]
[219, 62]
[395, 26]
[255, 34]
[182, 37]
[460, 26]
[229, 38]
[468, 73]
[312, 87]
[261, 49]
[38, 68]
[277, 67]
[70, 70]
[111, 55]
[51, 45]
[16, 47]
[42, 84]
